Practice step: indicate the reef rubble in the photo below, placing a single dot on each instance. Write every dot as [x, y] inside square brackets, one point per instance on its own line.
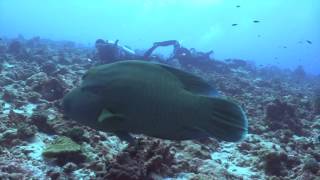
[37, 143]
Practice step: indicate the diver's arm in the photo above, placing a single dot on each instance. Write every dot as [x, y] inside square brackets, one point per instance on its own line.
[209, 53]
[116, 42]
[166, 43]
[149, 52]
[174, 43]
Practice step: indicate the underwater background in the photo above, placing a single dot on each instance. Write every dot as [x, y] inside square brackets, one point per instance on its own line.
[264, 55]
[279, 38]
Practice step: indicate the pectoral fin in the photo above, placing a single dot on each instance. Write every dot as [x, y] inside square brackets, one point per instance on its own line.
[107, 115]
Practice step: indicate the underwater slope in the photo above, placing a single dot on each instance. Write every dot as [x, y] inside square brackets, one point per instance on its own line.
[36, 142]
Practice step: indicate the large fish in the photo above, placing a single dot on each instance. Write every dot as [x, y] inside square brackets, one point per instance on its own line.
[153, 99]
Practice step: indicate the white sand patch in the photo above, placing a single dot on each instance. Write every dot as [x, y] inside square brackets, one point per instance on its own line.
[37, 145]
[229, 158]
[84, 174]
[7, 65]
[6, 108]
[234, 161]
[35, 162]
[26, 110]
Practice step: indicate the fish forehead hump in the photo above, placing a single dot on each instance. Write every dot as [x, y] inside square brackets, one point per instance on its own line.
[133, 72]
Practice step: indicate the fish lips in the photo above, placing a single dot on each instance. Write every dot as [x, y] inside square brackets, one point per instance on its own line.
[82, 106]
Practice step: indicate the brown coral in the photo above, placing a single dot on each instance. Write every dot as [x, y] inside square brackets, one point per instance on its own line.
[140, 161]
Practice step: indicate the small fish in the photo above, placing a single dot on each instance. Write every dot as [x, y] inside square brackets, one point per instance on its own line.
[308, 41]
[285, 47]
[256, 21]
[259, 35]
[234, 24]
[237, 6]
[153, 99]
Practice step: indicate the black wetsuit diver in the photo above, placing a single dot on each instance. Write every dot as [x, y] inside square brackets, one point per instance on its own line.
[109, 51]
[178, 51]
[181, 53]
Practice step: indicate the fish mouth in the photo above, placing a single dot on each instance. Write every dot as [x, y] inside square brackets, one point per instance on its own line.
[81, 105]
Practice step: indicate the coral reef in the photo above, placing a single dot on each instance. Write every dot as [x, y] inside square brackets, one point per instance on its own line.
[281, 115]
[36, 142]
[64, 150]
[275, 163]
[141, 161]
[316, 101]
[15, 47]
[51, 89]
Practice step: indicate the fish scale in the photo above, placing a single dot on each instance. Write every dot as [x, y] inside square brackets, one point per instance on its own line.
[155, 100]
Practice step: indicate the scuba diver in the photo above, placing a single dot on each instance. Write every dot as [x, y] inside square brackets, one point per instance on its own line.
[109, 51]
[200, 55]
[179, 52]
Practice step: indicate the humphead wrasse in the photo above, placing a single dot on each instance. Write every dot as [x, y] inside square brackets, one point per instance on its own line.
[153, 99]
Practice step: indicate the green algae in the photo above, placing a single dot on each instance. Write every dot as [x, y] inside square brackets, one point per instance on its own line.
[60, 147]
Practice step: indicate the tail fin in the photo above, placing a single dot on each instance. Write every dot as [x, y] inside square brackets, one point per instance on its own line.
[225, 119]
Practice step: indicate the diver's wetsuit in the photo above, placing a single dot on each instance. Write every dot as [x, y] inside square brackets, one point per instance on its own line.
[178, 51]
[200, 55]
[109, 52]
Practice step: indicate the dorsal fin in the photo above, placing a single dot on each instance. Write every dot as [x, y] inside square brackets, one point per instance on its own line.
[191, 82]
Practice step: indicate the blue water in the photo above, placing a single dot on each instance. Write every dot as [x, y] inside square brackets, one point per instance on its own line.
[280, 38]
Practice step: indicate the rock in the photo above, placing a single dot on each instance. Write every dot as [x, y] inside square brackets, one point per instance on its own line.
[277, 111]
[26, 131]
[8, 96]
[53, 174]
[275, 163]
[60, 146]
[39, 59]
[33, 97]
[299, 73]
[311, 165]
[316, 103]
[51, 89]
[3, 49]
[37, 79]
[62, 59]
[75, 133]
[21, 71]
[69, 167]
[64, 150]
[140, 161]
[4, 80]
[7, 136]
[15, 47]
[49, 67]
[40, 119]
[281, 115]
